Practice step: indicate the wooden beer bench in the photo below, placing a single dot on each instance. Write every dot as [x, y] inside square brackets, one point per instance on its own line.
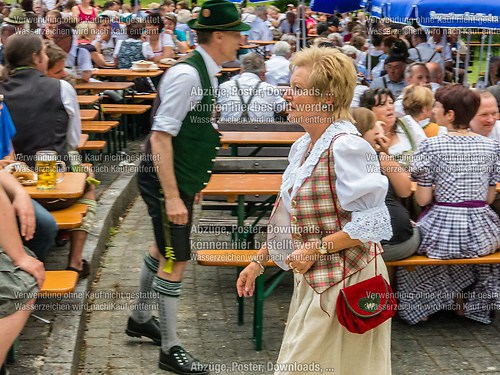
[87, 100]
[100, 128]
[88, 114]
[421, 260]
[71, 217]
[125, 109]
[93, 146]
[58, 283]
[139, 97]
[263, 287]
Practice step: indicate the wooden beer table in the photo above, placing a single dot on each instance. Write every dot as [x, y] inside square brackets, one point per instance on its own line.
[129, 74]
[72, 186]
[259, 138]
[102, 86]
[239, 185]
[87, 100]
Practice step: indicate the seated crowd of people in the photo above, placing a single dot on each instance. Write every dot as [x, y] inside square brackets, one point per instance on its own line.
[424, 127]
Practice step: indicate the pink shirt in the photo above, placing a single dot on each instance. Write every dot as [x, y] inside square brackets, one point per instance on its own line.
[84, 17]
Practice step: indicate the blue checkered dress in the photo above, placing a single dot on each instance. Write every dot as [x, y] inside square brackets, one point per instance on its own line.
[462, 168]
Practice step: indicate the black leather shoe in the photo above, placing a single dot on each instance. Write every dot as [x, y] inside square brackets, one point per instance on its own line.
[181, 362]
[149, 329]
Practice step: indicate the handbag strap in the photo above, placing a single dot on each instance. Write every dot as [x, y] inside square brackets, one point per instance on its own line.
[339, 223]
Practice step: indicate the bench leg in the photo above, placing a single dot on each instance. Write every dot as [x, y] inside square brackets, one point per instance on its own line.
[125, 129]
[240, 301]
[239, 244]
[109, 143]
[258, 318]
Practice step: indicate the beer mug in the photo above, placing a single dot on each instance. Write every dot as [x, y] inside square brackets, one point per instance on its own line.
[46, 168]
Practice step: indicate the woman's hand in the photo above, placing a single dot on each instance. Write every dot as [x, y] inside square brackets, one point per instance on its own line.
[302, 259]
[382, 144]
[245, 285]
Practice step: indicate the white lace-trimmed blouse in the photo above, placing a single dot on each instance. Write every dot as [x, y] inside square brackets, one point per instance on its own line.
[360, 186]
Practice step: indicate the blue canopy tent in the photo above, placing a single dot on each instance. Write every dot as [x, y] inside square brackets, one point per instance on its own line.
[482, 14]
[461, 14]
[330, 6]
[374, 7]
[399, 11]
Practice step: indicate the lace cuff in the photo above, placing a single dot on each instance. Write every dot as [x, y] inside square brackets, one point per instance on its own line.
[373, 224]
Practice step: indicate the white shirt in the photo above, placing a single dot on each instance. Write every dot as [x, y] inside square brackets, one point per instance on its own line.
[404, 144]
[248, 18]
[165, 40]
[82, 58]
[278, 70]
[266, 100]
[269, 21]
[70, 102]
[446, 53]
[384, 82]
[287, 28]
[495, 132]
[423, 52]
[374, 53]
[260, 31]
[49, 4]
[147, 51]
[107, 47]
[360, 191]
[377, 70]
[399, 110]
[180, 91]
[358, 91]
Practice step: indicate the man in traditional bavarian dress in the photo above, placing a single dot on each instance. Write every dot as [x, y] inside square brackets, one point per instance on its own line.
[182, 146]
[335, 212]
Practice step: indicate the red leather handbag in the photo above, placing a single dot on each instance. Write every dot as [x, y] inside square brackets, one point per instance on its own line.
[365, 305]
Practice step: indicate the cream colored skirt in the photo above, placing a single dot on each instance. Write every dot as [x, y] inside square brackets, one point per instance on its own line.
[315, 341]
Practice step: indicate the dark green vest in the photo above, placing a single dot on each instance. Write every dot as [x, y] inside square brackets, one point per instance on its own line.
[196, 145]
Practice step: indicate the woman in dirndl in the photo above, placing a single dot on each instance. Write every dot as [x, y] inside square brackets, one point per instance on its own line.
[456, 174]
[332, 203]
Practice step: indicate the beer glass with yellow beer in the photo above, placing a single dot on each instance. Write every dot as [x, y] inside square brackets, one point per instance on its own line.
[46, 168]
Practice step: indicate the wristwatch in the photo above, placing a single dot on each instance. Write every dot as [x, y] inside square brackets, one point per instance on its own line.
[323, 250]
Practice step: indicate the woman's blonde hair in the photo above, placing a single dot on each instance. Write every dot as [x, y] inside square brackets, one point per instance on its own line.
[332, 75]
[85, 29]
[364, 119]
[416, 98]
